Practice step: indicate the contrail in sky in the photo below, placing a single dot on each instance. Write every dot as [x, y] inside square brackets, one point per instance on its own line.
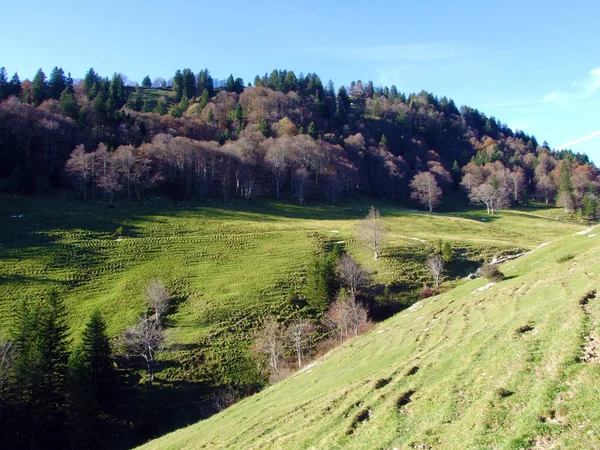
[580, 140]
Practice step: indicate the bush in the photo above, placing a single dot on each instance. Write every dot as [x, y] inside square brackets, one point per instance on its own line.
[565, 258]
[427, 292]
[492, 273]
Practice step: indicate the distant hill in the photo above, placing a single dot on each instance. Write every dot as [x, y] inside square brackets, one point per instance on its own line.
[282, 136]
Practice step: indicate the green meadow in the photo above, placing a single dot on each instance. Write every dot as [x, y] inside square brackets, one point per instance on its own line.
[511, 366]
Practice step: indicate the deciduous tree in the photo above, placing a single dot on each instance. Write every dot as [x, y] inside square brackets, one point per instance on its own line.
[372, 231]
[426, 190]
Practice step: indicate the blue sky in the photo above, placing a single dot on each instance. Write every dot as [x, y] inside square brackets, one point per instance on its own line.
[533, 65]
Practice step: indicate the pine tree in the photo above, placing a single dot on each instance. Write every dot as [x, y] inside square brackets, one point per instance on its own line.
[69, 84]
[41, 337]
[178, 85]
[383, 142]
[56, 83]
[161, 107]
[312, 130]
[343, 105]
[189, 83]
[4, 86]
[92, 380]
[146, 83]
[239, 113]
[290, 82]
[39, 88]
[230, 84]
[204, 99]
[90, 80]
[15, 85]
[116, 92]
[68, 104]
[322, 281]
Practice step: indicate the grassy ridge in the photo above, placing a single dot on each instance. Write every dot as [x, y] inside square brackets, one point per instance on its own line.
[226, 265]
[499, 368]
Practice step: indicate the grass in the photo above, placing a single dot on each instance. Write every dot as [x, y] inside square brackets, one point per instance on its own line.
[227, 266]
[499, 368]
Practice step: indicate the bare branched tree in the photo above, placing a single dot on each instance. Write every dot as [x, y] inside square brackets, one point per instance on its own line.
[435, 263]
[300, 336]
[493, 197]
[223, 398]
[79, 168]
[269, 343]
[425, 190]
[352, 276]
[158, 298]
[345, 317]
[372, 231]
[145, 340]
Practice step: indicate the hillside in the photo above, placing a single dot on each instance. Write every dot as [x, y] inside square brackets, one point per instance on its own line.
[498, 368]
[282, 137]
[101, 259]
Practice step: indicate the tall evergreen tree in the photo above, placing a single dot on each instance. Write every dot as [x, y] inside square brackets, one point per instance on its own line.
[15, 85]
[343, 104]
[230, 84]
[69, 84]
[56, 83]
[189, 83]
[41, 337]
[178, 85]
[92, 379]
[90, 80]
[312, 130]
[146, 83]
[68, 104]
[39, 88]
[4, 86]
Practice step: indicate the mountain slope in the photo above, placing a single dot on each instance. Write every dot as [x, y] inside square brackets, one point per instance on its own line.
[496, 368]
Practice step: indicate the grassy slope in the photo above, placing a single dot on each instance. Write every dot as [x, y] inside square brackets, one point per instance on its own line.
[225, 264]
[467, 349]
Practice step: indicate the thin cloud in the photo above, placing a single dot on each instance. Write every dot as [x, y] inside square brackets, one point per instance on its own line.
[580, 140]
[391, 53]
[590, 85]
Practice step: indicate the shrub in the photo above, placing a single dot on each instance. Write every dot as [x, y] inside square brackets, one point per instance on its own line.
[492, 273]
[565, 258]
[427, 292]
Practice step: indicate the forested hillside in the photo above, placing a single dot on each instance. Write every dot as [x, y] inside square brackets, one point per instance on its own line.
[282, 136]
[171, 248]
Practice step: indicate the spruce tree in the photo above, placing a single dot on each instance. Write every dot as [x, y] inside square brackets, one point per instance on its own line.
[239, 113]
[230, 84]
[68, 104]
[92, 379]
[69, 84]
[4, 87]
[178, 85]
[189, 83]
[41, 337]
[39, 88]
[15, 85]
[161, 107]
[312, 130]
[56, 83]
[90, 81]
[204, 99]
